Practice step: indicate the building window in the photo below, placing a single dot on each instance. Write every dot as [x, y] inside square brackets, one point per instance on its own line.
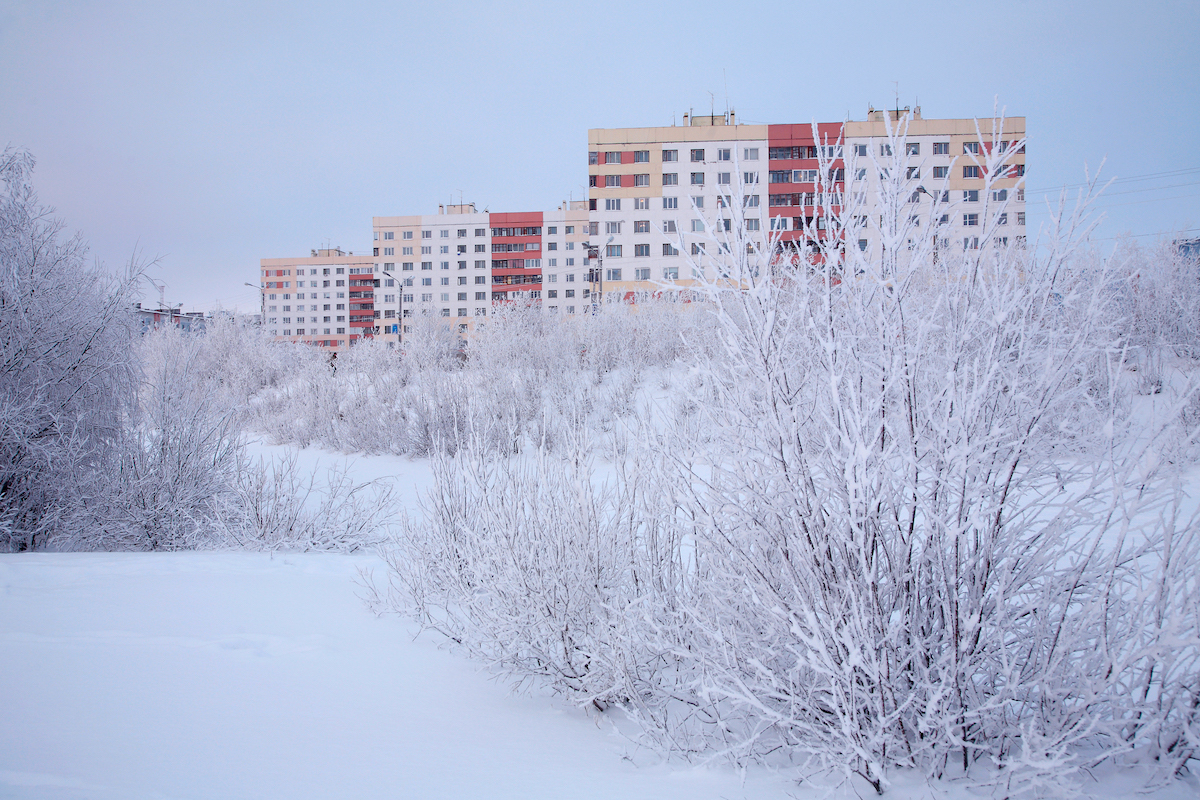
[1002, 219]
[971, 172]
[941, 172]
[750, 154]
[941, 148]
[668, 226]
[670, 202]
[670, 179]
[613, 274]
[641, 203]
[912, 148]
[426, 234]
[670, 155]
[641, 251]
[971, 243]
[612, 158]
[641, 156]
[885, 149]
[406, 235]
[862, 245]
[642, 274]
[697, 249]
[970, 219]
[461, 233]
[697, 155]
[723, 154]
[668, 250]
[611, 181]
[971, 148]
[752, 224]
[612, 227]
[749, 177]
[913, 173]
[612, 204]
[970, 195]
[613, 251]
[1020, 218]
[593, 158]
[697, 179]
[641, 180]
[723, 178]
[389, 234]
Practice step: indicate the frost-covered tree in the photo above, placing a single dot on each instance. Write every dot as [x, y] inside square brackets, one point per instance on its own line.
[66, 368]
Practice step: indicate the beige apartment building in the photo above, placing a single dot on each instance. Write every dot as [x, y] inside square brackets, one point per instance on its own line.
[658, 197]
[326, 299]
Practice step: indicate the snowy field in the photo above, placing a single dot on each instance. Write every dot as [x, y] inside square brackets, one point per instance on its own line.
[231, 675]
[198, 675]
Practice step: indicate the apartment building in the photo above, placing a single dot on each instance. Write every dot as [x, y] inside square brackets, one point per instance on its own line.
[656, 192]
[326, 299]
[946, 159]
[657, 195]
[455, 264]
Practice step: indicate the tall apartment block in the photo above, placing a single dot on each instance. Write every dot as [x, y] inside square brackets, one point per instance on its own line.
[654, 194]
[653, 187]
[326, 299]
[458, 262]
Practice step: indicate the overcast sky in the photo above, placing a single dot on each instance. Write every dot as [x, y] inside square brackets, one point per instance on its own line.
[211, 135]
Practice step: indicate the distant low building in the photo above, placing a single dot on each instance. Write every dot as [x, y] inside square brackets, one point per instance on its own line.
[1189, 248]
[152, 319]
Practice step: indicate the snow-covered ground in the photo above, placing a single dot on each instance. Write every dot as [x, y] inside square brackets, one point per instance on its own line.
[230, 675]
[198, 675]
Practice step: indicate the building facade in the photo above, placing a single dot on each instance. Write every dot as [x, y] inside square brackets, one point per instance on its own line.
[455, 264]
[326, 299]
[657, 196]
[656, 193]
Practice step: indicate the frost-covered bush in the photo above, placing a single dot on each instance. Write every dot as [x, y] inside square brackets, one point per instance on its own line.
[903, 517]
[524, 376]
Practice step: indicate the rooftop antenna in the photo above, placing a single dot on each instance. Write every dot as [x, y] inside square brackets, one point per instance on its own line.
[712, 108]
[725, 80]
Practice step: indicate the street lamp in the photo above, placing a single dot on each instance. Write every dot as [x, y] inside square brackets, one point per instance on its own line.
[399, 307]
[262, 303]
[596, 276]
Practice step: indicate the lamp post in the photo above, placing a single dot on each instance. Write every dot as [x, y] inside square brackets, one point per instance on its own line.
[262, 303]
[933, 198]
[399, 307]
[596, 276]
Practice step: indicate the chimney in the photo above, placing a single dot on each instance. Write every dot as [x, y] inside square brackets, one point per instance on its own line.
[732, 117]
[685, 120]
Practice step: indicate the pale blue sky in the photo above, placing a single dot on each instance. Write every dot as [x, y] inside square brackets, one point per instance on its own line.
[213, 135]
